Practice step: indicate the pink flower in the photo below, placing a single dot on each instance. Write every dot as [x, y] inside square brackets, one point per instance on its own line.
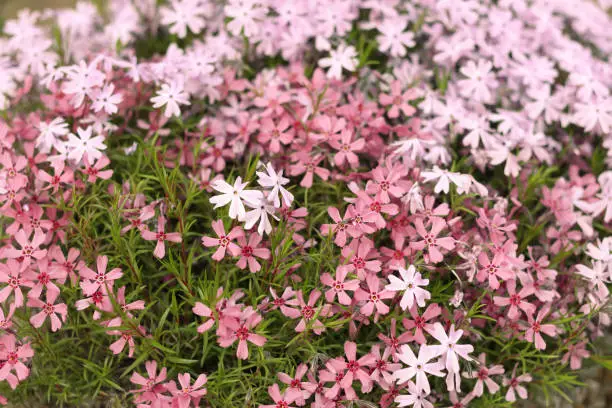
[409, 284]
[249, 250]
[346, 149]
[29, 249]
[515, 386]
[418, 367]
[298, 390]
[373, 297]
[309, 166]
[160, 236]
[532, 333]
[188, 393]
[492, 270]
[339, 286]
[94, 280]
[381, 370]
[49, 309]
[152, 388]
[14, 357]
[516, 301]
[419, 323]
[575, 354]
[242, 331]
[280, 400]
[95, 171]
[393, 341]
[44, 278]
[308, 312]
[431, 240]
[360, 259]
[276, 134]
[12, 273]
[483, 376]
[399, 101]
[339, 228]
[202, 310]
[356, 369]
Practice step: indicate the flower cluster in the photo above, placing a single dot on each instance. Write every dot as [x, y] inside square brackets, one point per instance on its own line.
[315, 203]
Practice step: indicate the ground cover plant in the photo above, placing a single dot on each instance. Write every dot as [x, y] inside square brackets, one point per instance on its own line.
[331, 203]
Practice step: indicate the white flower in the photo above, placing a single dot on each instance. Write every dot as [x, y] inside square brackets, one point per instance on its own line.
[234, 195]
[343, 57]
[418, 367]
[105, 99]
[276, 181]
[444, 177]
[171, 95]
[85, 143]
[410, 282]
[49, 131]
[260, 212]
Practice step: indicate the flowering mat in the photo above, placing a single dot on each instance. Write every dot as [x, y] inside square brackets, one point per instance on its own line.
[305, 203]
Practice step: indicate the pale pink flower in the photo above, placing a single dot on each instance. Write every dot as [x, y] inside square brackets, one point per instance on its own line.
[418, 367]
[409, 283]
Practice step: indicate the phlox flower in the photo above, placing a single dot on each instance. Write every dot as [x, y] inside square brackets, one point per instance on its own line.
[183, 14]
[373, 296]
[418, 367]
[50, 309]
[419, 322]
[515, 387]
[61, 175]
[516, 300]
[494, 269]
[151, 388]
[187, 393]
[283, 400]
[299, 390]
[43, 277]
[275, 181]
[398, 100]
[93, 281]
[360, 256]
[126, 338]
[480, 81]
[160, 236]
[223, 241]
[94, 170]
[409, 283]
[29, 248]
[308, 312]
[575, 354]
[431, 241]
[393, 38]
[106, 100]
[445, 177]
[342, 57]
[242, 330]
[249, 250]
[339, 228]
[84, 142]
[338, 286]
[233, 195]
[277, 134]
[535, 328]
[483, 376]
[416, 398]
[15, 275]
[347, 147]
[381, 370]
[450, 352]
[50, 132]
[14, 357]
[171, 95]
